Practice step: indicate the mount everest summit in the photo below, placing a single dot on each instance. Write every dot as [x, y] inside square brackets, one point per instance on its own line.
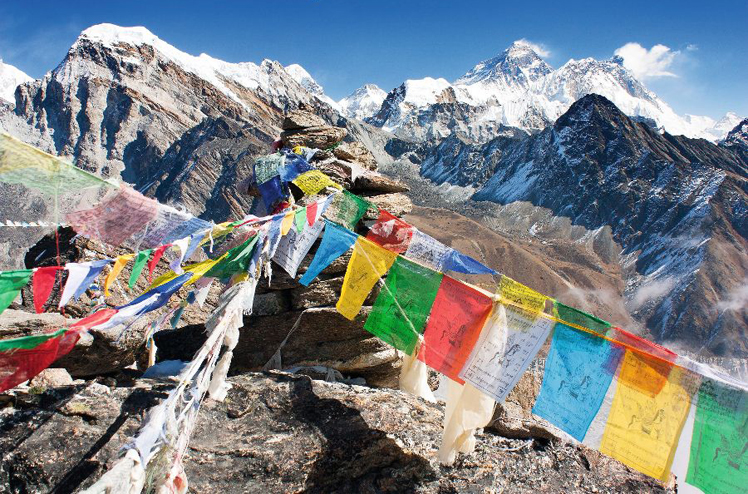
[513, 130]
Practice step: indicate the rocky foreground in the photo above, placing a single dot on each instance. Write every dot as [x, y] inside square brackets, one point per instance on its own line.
[278, 432]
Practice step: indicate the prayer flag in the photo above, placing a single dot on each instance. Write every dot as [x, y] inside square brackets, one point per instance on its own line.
[578, 372]
[119, 264]
[42, 284]
[235, 261]
[368, 263]
[94, 269]
[404, 304]
[347, 209]
[335, 242]
[427, 250]
[312, 182]
[272, 192]
[294, 166]
[11, 283]
[140, 261]
[646, 416]
[719, 446]
[294, 247]
[460, 263]
[287, 223]
[521, 295]
[576, 316]
[454, 326]
[299, 219]
[391, 232]
[268, 167]
[157, 254]
[311, 213]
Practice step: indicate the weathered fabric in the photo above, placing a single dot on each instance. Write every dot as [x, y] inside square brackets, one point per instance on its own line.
[119, 265]
[427, 250]
[268, 167]
[294, 247]
[347, 209]
[313, 182]
[403, 305]
[580, 318]
[368, 264]
[391, 232]
[460, 263]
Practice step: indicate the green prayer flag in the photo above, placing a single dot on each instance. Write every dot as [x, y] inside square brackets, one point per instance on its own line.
[576, 316]
[347, 209]
[28, 342]
[718, 462]
[11, 283]
[236, 261]
[404, 304]
[140, 261]
[300, 219]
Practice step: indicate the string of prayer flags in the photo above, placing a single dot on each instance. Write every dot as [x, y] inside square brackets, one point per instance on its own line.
[116, 218]
[197, 270]
[119, 265]
[42, 283]
[495, 365]
[457, 317]
[402, 307]
[460, 263]
[25, 357]
[294, 247]
[578, 373]
[718, 460]
[11, 283]
[647, 415]
[25, 165]
[140, 261]
[391, 232]
[157, 254]
[347, 209]
[313, 182]
[426, 250]
[580, 318]
[368, 264]
[638, 343]
[335, 242]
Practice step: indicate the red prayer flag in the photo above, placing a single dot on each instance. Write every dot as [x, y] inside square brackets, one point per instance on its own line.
[391, 232]
[311, 213]
[457, 317]
[42, 283]
[154, 260]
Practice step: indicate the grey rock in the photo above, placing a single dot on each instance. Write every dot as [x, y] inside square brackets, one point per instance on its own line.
[398, 204]
[51, 377]
[284, 433]
[356, 152]
[373, 182]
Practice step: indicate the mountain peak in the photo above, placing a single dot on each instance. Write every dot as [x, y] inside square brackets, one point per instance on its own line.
[10, 79]
[111, 34]
[519, 64]
[364, 102]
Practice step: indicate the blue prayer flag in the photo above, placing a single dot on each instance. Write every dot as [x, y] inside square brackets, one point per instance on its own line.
[335, 242]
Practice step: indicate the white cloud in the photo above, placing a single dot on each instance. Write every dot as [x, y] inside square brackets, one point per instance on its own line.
[692, 47]
[644, 63]
[651, 292]
[736, 300]
[541, 50]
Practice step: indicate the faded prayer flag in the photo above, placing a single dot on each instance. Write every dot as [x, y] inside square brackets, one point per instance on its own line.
[335, 242]
[454, 326]
[368, 263]
[578, 372]
[273, 192]
[391, 232]
[719, 446]
[497, 372]
[647, 415]
[267, 167]
[347, 209]
[115, 219]
[25, 165]
[427, 250]
[11, 283]
[294, 246]
[404, 304]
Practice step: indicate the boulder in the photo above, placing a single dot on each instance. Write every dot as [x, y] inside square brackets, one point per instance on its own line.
[322, 136]
[398, 204]
[324, 292]
[285, 433]
[17, 323]
[301, 119]
[374, 182]
[50, 378]
[356, 152]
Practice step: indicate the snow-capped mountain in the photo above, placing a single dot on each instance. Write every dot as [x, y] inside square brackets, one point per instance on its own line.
[363, 103]
[10, 78]
[519, 89]
[306, 81]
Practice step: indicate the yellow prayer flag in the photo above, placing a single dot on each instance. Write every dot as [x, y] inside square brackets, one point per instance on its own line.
[644, 426]
[520, 294]
[313, 181]
[287, 222]
[368, 263]
[219, 231]
[119, 264]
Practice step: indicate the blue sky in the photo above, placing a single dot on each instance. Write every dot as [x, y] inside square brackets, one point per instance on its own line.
[345, 44]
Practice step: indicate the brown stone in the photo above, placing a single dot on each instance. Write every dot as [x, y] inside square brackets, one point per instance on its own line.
[398, 204]
[321, 137]
[300, 119]
[356, 152]
[375, 182]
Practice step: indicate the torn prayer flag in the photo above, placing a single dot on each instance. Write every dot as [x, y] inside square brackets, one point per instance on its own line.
[347, 209]
[293, 247]
[427, 250]
[403, 305]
